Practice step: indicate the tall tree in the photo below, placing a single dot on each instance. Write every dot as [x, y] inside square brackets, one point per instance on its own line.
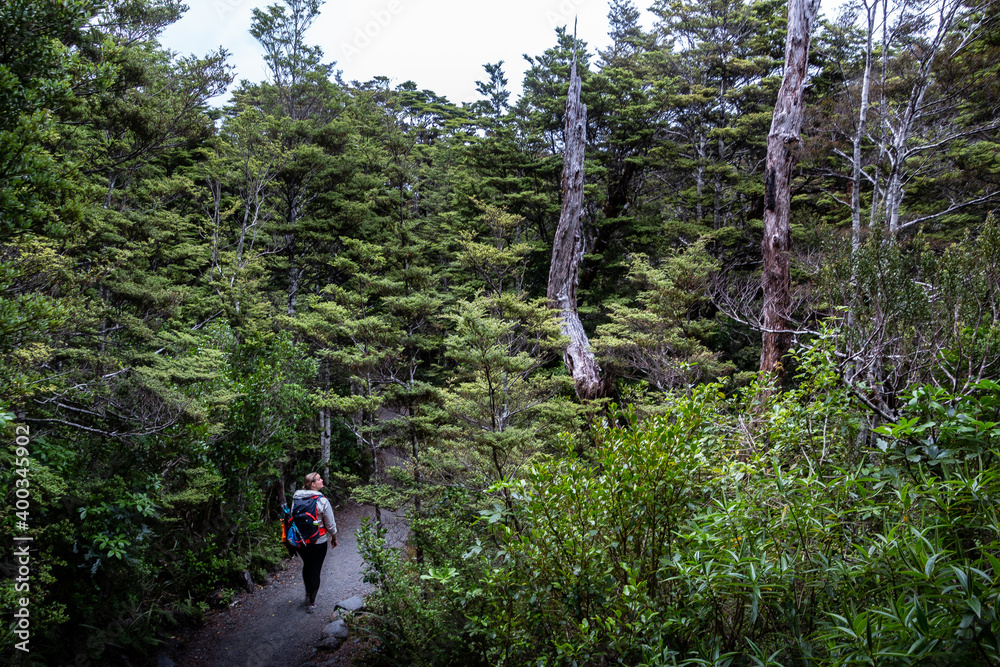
[506, 401]
[783, 139]
[724, 56]
[38, 70]
[296, 68]
[308, 104]
[916, 106]
[628, 111]
[663, 339]
[495, 91]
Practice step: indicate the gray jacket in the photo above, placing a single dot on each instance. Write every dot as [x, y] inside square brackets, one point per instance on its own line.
[325, 510]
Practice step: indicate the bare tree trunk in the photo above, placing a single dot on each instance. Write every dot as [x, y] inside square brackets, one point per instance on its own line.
[871, 7]
[294, 281]
[418, 505]
[871, 11]
[717, 187]
[567, 250]
[786, 126]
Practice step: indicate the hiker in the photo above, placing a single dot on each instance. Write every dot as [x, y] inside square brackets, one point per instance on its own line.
[314, 553]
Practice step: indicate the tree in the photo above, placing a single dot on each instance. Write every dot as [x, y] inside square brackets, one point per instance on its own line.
[899, 120]
[306, 106]
[786, 126]
[38, 70]
[297, 69]
[724, 57]
[495, 91]
[504, 405]
[504, 401]
[914, 113]
[239, 209]
[628, 111]
[41, 190]
[567, 249]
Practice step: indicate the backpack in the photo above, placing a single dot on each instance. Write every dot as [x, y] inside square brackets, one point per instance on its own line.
[302, 525]
[289, 533]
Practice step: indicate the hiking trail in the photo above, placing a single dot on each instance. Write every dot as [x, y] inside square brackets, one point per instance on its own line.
[270, 627]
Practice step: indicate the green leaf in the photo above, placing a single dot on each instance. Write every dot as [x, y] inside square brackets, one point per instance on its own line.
[929, 565]
[975, 606]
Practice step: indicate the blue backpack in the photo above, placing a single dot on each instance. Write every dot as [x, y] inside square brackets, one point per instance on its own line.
[301, 524]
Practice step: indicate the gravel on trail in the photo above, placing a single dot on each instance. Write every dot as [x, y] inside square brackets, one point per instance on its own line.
[270, 627]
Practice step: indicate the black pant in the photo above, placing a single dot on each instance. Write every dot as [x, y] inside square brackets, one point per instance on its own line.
[312, 563]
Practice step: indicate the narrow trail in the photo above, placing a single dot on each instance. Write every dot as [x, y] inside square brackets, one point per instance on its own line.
[270, 627]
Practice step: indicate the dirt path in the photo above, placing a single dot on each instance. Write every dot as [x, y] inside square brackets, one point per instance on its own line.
[270, 627]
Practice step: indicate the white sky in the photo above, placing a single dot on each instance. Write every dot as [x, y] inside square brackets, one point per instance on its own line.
[441, 45]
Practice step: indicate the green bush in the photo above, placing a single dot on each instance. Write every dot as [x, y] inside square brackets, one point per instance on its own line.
[421, 611]
[749, 531]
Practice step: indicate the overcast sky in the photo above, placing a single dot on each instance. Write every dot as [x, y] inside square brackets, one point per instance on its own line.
[442, 45]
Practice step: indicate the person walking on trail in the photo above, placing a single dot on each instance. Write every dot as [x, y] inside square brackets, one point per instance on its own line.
[313, 554]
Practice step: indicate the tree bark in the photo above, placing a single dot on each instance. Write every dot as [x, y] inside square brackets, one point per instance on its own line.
[786, 126]
[567, 249]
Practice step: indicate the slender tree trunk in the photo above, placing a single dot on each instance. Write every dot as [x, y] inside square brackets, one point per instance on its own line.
[901, 147]
[783, 138]
[894, 196]
[294, 271]
[567, 250]
[418, 506]
[325, 425]
[700, 179]
[859, 132]
[717, 187]
[871, 10]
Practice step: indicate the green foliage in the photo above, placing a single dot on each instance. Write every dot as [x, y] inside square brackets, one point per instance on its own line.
[38, 68]
[914, 315]
[504, 405]
[184, 290]
[682, 540]
[420, 611]
[663, 340]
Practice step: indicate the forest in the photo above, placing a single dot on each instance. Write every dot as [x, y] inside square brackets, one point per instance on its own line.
[199, 304]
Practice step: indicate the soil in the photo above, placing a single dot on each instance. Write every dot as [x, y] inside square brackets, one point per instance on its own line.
[270, 627]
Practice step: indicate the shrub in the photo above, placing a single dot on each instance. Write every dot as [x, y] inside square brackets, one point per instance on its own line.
[728, 532]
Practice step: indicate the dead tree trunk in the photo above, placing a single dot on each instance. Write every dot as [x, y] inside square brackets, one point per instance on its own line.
[871, 9]
[567, 249]
[782, 141]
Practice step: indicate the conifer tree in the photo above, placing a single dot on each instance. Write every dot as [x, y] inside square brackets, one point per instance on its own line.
[664, 340]
[724, 55]
[505, 401]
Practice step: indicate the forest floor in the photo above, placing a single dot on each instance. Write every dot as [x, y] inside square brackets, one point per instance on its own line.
[270, 627]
